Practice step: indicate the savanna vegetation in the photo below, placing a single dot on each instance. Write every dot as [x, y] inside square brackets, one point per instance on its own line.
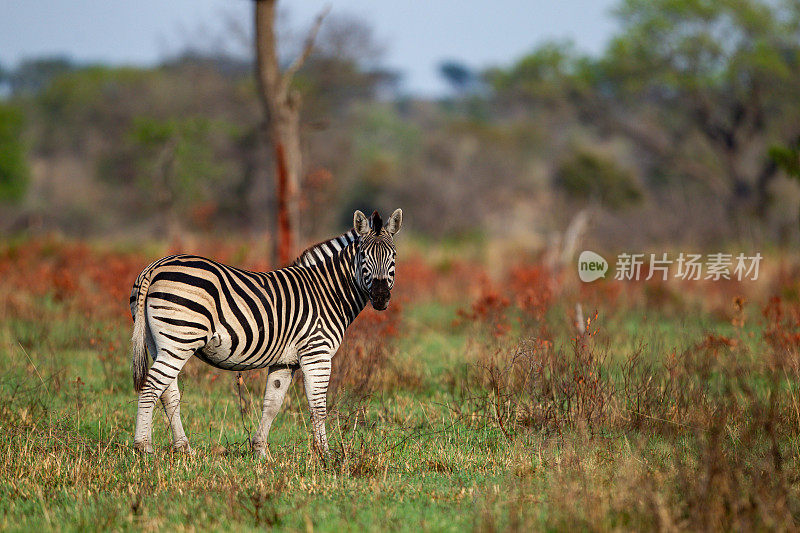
[497, 392]
[475, 401]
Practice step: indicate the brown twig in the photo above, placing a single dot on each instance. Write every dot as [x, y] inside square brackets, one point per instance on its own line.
[308, 47]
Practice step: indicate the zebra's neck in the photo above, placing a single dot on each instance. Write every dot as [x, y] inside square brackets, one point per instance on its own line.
[353, 296]
[319, 252]
[337, 256]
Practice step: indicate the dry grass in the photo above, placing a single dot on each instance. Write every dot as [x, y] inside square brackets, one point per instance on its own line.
[668, 412]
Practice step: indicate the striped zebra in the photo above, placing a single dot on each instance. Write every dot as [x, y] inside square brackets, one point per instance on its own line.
[284, 320]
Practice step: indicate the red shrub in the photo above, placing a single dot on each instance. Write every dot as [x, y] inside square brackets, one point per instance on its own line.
[533, 289]
[782, 330]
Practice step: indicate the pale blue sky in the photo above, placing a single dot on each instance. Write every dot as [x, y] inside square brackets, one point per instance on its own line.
[417, 34]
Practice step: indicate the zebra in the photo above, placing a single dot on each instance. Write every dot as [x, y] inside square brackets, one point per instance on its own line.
[284, 320]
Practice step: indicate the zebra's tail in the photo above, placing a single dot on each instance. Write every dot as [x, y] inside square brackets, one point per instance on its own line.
[139, 361]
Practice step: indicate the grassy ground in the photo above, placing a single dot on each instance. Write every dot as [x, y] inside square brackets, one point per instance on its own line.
[460, 410]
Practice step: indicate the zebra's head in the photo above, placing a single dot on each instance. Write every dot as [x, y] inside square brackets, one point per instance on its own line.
[376, 255]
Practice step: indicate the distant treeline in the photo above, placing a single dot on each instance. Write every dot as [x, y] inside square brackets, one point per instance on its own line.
[686, 127]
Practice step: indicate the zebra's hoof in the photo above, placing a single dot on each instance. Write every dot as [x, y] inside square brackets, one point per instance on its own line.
[143, 447]
[183, 447]
[259, 451]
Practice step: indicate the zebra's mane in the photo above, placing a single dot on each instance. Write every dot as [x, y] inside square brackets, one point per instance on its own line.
[319, 252]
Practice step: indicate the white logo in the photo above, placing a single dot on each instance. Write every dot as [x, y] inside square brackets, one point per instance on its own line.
[591, 266]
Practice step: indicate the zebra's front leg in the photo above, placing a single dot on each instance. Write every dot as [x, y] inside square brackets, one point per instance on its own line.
[316, 375]
[171, 400]
[278, 380]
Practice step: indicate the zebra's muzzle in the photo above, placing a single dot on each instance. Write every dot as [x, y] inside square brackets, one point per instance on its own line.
[379, 294]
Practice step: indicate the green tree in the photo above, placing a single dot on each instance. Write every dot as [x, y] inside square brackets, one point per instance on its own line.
[14, 172]
[590, 176]
[34, 75]
[458, 76]
[174, 163]
[787, 158]
[725, 72]
[553, 73]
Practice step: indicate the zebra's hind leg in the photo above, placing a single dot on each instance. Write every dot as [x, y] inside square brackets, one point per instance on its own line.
[278, 380]
[171, 400]
[165, 369]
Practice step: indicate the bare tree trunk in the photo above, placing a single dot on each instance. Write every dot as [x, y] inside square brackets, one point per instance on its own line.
[281, 106]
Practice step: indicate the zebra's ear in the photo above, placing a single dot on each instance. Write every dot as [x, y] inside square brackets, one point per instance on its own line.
[361, 223]
[394, 222]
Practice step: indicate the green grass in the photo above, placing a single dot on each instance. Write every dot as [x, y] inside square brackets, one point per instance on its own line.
[415, 458]
[68, 463]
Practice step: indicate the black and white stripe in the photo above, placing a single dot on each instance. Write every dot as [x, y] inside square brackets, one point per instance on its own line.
[294, 317]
